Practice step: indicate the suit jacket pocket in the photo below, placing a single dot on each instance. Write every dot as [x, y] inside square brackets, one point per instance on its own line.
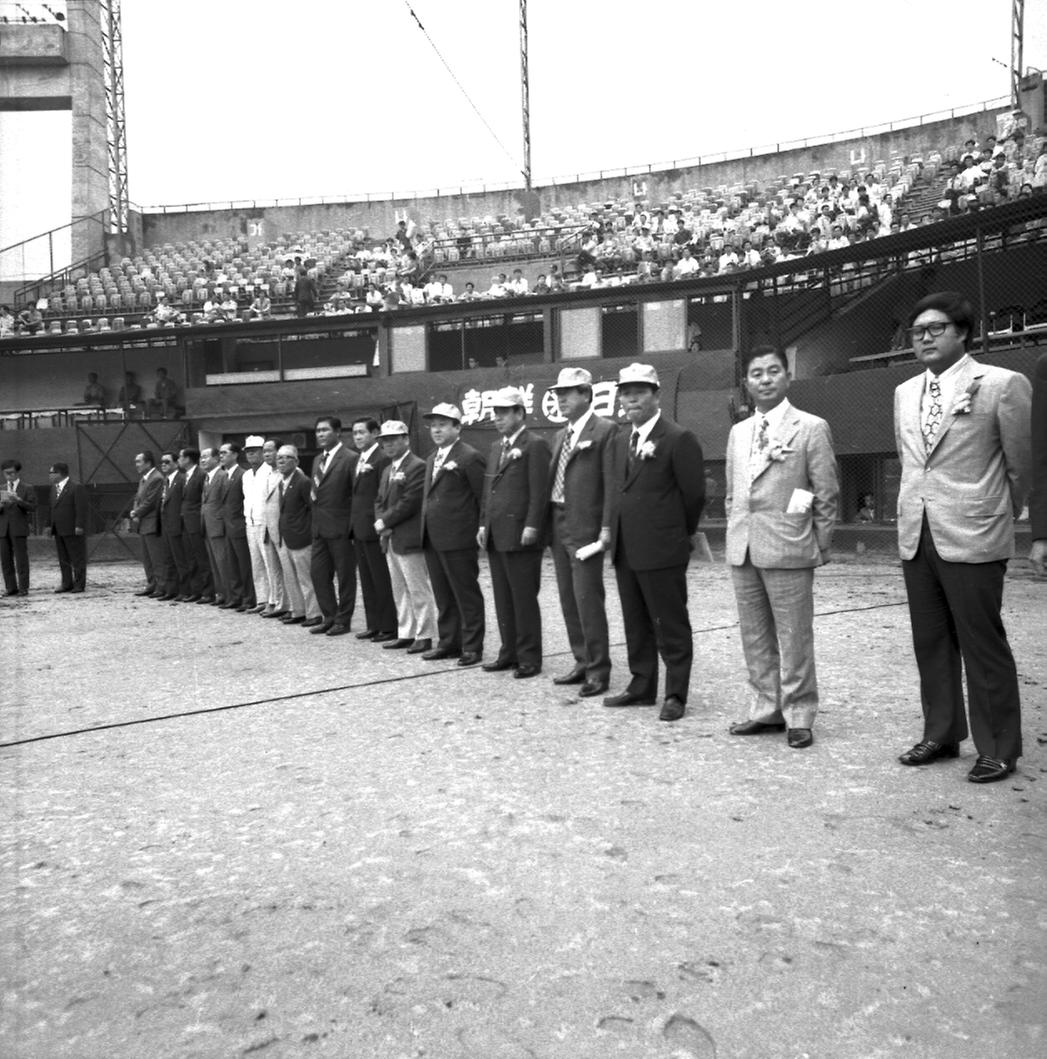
[986, 507]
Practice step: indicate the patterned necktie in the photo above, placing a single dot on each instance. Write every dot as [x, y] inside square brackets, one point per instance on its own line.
[634, 444]
[934, 415]
[504, 454]
[561, 467]
[167, 489]
[756, 457]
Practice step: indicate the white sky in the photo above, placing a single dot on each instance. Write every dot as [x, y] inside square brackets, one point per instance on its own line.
[259, 99]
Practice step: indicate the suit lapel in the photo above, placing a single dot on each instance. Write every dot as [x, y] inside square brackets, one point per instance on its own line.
[786, 433]
[971, 372]
[655, 436]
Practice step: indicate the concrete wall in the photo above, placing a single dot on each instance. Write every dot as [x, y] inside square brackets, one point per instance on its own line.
[379, 217]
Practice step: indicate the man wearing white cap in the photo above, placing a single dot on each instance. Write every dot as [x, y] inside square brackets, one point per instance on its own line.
[265, 560]
[512, 517]
[398, 523]
[454, 482]
[580, 497]
[660, 492]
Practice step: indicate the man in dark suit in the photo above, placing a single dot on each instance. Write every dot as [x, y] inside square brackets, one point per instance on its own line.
[294, 538]
[238, 576]
[201, 585]
[962, 431]
[451, 497]
[580, 477]
[176, 565]
[17, 504]
[212, 497]
[512, 519]
[398, 523]
[145, 517]
[69, 528]
[377, 590]
[659, 493]
[1038, 497]
[332, 555]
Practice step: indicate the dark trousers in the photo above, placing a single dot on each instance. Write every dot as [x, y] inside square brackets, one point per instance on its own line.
[14, 557]
[460, 617]
[72, 560]
[654, 606]
[334, 557]
[516, 578]
[176, 558]
[153, 560]
[375, 586]
[238, 577]
[201, 583]
[582, 601]
[217, 551]
[954, 609]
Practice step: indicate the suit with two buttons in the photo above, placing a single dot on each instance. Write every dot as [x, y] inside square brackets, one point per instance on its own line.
[516, 495]
[175, 550]
[333, 555]
[293, 539]
[450, 520]
[200, 581]
[772, 554]
[399, 507]
[212, 503]
[238, 576]
[375, 586]
[956, 508]
[15, 516]
[69, 529]
[145, 514]
[576, 522]
[657, 503]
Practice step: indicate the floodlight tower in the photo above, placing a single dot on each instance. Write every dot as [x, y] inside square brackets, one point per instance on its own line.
[115, 122]
[1017, 37]
[525, 95]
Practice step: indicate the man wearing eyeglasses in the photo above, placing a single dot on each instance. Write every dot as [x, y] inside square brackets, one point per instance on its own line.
[962, 431]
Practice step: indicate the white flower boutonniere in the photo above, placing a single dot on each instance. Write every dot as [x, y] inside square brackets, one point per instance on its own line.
[583, 445]
[450, 465]
[364, 468]
[647, 450]
[515, 454]
[777, 453]
[400, 476]
[963, 404]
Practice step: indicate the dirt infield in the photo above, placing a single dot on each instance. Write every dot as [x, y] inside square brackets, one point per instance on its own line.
[222, 838]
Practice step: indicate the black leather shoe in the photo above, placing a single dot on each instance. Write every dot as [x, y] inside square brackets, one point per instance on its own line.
[64, 588]
[145, 591]
[470, 658]
[989, 770]
[290, 619]
[592, 687]
[437, 654]
[499, 665]
[191, 599]
[420, 647]
[338, 629]
[399, 644]
[576, 676]
[523, 672]
[229, 604]
[274, 614]
[799, 738]
[755, 728]
[167, 597]
[76, 589]
[383, 637]
[12, 592]
[927, 751]
[254, 608]
[367, 634]
[312, 623]
[205, 600]
[626, 699]
[322, 628]
[672, 709]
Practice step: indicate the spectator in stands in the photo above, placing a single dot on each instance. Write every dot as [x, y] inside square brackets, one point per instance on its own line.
[30, 320]
[590, 278]
[229, 309]
[555, 281]
[130, 396]
[212, 310]
[402, 236]
[94, 393]
[867, 508]
[164, 312]
[686, 266]
[374, 298]
[305, 293]
[7, 322]
[837, 240]
[541, 284]
[165, 393]
[728, 261]
[391, 298]
[439, 291]
[261, 308]
[409, 269]
[749, 257]
[518, 284]
[498, 287]
[469, 294]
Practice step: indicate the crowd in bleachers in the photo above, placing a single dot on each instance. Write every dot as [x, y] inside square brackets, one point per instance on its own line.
[699, 232]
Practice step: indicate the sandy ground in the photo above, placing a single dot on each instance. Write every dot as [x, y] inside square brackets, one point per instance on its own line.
[278, 844]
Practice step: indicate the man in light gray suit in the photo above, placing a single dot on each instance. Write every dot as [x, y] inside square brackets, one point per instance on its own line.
[962, 430]
[781, 502]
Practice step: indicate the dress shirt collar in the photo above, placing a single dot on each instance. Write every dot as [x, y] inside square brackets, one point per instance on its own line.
[328, 453]
[644, 430]
[774, 417]
[13, 486]
[512, 440]
[397, 464]
[947, 380]
[575, 429]
[365, 456]
[212, 472]
[172, 476]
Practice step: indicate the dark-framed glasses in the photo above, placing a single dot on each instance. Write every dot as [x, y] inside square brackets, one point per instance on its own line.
[935, 330]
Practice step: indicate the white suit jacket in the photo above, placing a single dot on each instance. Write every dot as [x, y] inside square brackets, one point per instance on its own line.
[799, 455]
[974, 481]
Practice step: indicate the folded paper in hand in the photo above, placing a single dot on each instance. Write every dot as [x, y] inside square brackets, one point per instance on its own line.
[589, 550]
[800, 502]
